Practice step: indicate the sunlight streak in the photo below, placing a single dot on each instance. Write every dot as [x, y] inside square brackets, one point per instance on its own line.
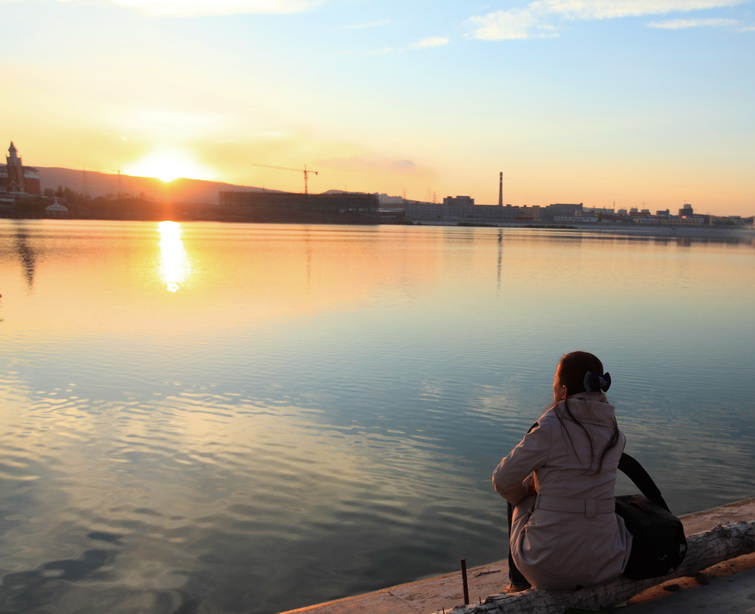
[174, 263]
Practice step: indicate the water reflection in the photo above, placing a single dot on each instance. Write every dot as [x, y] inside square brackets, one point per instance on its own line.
[500, 261]
[26, 254]
[355, 387]
[665, 236]
[174, 263]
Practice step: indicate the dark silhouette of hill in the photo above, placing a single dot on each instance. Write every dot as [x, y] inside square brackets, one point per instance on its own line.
[94, 195]
[103, 184]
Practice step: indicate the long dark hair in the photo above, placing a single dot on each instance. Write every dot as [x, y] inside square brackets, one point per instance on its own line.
[572, 369]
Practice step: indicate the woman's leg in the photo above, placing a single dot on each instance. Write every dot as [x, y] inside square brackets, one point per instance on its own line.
[518, 581]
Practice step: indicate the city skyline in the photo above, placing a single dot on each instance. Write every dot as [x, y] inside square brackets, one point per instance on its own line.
[628, 103]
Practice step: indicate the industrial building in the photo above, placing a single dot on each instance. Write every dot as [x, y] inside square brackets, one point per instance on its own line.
[262, 204]
[460, 212]
[335, 207]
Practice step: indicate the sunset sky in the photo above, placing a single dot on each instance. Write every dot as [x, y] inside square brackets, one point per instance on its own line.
[626, 103]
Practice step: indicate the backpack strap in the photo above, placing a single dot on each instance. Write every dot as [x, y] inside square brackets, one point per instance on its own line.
[642, 480]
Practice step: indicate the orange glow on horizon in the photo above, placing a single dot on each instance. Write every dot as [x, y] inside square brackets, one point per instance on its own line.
[169, 165]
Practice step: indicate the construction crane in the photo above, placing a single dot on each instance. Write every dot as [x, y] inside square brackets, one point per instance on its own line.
[298, 170]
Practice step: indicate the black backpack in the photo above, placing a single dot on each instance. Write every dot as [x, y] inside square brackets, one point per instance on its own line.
[658, 542]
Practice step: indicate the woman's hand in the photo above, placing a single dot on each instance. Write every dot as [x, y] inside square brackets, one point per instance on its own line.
[531, 485]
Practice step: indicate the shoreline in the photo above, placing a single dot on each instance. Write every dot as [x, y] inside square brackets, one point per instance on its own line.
[660, 231]
[667, 231]
[721, 233]
[444, 592]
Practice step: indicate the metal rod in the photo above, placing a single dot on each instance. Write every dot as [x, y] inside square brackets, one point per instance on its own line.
[464, 580]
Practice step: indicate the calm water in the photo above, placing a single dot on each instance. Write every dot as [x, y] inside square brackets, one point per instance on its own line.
[241, 418]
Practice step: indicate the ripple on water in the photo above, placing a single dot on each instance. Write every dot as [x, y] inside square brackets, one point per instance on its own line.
[309, 438]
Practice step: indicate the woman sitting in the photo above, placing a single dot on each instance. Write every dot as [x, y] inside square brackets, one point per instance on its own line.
[559, 481]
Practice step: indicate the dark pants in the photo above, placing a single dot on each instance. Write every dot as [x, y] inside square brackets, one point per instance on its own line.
[515, 576]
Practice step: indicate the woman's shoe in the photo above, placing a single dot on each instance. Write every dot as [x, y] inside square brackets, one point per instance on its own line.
[516, 588]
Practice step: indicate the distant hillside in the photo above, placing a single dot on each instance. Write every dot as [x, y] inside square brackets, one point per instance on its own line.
[192, 191]
[102, 184]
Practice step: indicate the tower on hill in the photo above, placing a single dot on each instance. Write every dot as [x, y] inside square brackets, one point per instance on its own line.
[15, 178]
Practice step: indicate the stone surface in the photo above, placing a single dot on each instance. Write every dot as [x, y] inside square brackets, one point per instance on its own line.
[444, 592]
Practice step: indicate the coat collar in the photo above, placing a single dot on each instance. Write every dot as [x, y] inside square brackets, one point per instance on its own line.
[588, 407]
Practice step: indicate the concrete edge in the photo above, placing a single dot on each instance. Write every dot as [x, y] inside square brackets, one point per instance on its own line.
[436, 593]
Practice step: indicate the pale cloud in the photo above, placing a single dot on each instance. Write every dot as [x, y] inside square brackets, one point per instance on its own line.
[433, 41]
[681, 24]
[385, 51]
[203, 8]
[516, 24]
[170, 122]
[374, 162]
[426, 43]
[535, 20]
[612, 9]
[367, 26]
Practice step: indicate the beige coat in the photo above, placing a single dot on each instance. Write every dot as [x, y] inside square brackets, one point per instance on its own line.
[568, 534]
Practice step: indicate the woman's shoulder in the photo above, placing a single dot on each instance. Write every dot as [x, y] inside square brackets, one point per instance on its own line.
[547, 416]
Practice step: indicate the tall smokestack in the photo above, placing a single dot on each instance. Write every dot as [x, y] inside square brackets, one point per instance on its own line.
[500, 189]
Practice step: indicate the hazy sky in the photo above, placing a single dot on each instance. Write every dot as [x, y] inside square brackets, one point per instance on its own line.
[646, 103]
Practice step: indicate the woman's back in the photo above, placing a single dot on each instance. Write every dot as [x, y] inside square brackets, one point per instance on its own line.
[573, 537]
[560, 480]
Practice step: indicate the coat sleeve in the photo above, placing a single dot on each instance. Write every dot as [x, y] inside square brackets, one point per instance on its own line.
[529, 454]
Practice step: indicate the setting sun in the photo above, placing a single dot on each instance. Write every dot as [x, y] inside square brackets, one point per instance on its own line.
[169, 165]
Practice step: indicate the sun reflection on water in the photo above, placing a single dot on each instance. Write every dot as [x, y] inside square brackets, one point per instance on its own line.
[174, 263]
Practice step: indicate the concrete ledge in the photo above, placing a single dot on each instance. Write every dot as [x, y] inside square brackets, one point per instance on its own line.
[705, 549]
[726, 587]
[444, 592]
